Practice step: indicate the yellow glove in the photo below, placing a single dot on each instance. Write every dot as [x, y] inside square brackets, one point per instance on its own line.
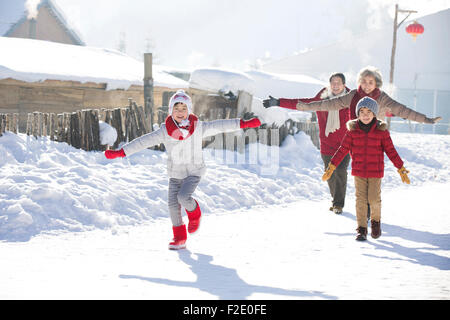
[404, 175]
[328, 172]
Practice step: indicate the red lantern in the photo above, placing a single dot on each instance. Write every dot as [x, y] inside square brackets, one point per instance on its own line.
[415, 29]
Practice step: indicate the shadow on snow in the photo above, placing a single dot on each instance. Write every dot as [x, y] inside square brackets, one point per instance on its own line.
[223, 282]
[415, 255]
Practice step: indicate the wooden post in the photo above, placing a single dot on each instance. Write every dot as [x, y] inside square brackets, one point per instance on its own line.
[2, 125]
[40, 123]
[35, 124]
[84, 130]
[102, 114]
[394, 48]
[61, 130]
[15, 128]
[75, 137]
[45, 125]
[66, 127]
[121, 123]
[148, 89]
[8, 122]
[244, 103]
[117, 124]
[52, 126]
[29, 124]
[95, 130]
[132, 124]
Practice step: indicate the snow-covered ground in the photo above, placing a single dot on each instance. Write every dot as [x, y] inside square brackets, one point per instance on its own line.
[74, 225]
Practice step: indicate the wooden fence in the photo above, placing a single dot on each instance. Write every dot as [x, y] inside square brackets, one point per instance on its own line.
[81, 129]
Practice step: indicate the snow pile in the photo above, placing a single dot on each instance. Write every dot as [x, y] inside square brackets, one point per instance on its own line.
[285, 85]
[36, 60]
[108, 134]
[259, 84]
[214, 79]
[48, 186]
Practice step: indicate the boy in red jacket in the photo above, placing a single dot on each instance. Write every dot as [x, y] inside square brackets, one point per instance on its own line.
[367, 140]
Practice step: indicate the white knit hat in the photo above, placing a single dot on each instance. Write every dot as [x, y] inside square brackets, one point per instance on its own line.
[180, 96]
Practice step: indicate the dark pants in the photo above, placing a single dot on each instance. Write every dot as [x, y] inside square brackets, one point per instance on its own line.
[338, 181]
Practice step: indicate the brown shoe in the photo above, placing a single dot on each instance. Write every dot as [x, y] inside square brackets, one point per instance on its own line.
[376, 229]
[337, 210]
[362, 234]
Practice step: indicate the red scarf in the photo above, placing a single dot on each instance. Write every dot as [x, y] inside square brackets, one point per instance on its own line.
[359, 94]
[174, 130]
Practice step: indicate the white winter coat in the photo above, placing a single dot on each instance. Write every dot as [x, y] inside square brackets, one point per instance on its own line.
[185, 157]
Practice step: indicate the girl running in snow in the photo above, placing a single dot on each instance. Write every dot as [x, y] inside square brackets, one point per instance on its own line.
[367, 140]
[182, 135]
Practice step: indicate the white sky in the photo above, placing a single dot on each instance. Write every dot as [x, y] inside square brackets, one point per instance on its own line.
[229, 33]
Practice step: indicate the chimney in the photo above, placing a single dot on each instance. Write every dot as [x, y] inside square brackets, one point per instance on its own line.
[32, 28]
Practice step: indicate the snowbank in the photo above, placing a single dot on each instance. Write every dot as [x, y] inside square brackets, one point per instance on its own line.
[108, 134]
[259, 84]
[36, 60]
[52, 187]
[285, 85]
[214, 79]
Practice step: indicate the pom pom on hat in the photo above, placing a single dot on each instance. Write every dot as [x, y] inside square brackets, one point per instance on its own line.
[368, 103]
[180, 96]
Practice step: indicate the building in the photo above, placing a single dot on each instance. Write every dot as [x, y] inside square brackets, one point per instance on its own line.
[44, 22]
[51, 77]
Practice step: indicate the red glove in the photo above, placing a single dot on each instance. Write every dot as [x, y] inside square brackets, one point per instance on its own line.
[252, 123]
[112, 154]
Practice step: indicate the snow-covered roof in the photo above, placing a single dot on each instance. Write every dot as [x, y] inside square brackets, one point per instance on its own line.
[36, 60]
[15, 11]
[10, 13]
[216, 79]
[258, 83]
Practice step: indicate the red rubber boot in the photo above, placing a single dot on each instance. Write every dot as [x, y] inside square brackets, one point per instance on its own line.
[194, 218]
[179, 238]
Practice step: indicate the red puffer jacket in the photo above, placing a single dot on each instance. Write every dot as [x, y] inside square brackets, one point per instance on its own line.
[367, 149]
[328, 144]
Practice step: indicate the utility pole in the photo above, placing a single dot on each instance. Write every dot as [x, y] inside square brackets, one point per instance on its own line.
[148, 88]
[394, 46]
